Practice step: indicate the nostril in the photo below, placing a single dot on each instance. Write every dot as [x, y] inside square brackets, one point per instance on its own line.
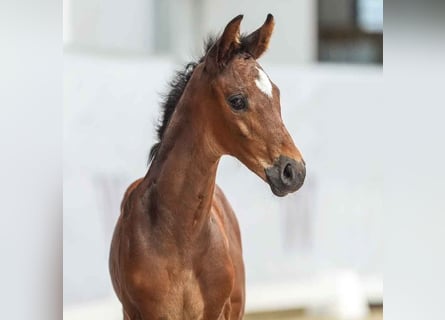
[288, 172]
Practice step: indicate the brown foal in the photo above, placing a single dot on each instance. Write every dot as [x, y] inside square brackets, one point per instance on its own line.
[176, 250]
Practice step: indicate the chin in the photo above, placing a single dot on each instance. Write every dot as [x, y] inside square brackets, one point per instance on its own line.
[278, 192]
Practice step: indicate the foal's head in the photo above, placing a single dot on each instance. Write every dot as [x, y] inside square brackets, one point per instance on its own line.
[238, 107]
[244, 108]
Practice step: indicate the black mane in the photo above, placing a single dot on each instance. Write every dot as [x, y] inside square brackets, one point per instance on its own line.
[177, 86]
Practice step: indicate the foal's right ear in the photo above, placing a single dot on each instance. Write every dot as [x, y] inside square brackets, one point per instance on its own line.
[221, 52]
[257, 42]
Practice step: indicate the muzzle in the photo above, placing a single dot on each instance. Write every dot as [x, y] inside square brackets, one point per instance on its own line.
[286, 175]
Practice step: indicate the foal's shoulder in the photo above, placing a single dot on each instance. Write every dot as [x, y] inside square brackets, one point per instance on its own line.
[227, 214]
[129, 191]
[221, 201]
[219, 195]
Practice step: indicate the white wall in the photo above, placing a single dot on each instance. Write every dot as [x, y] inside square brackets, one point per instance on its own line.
[112, 103]
[294, 39]
[109, 25]
[333, 223]
[178, 28]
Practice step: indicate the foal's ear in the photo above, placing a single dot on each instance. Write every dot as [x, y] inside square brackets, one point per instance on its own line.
[257, 42]
[221, 52]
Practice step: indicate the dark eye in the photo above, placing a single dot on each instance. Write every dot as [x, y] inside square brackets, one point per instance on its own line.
[238, 102]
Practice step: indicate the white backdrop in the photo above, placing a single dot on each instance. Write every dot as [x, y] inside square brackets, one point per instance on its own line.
[330, 227]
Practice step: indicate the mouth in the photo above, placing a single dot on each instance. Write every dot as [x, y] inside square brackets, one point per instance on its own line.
[276, 190]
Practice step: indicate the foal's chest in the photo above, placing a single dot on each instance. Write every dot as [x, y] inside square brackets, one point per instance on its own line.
[192, 297]
[198, 298]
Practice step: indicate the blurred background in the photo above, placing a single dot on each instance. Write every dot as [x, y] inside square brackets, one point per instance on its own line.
[316, 254]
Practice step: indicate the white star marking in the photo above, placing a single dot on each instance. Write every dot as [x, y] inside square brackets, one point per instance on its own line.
[263, 83]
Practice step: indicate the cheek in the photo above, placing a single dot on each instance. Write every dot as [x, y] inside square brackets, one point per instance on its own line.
[244, 129]
[266, 124]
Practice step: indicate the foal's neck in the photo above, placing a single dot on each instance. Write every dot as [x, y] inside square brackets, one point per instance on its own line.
[181, 179]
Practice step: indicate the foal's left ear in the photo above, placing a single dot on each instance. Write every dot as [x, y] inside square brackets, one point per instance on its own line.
[257, 42]
[221, 52]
